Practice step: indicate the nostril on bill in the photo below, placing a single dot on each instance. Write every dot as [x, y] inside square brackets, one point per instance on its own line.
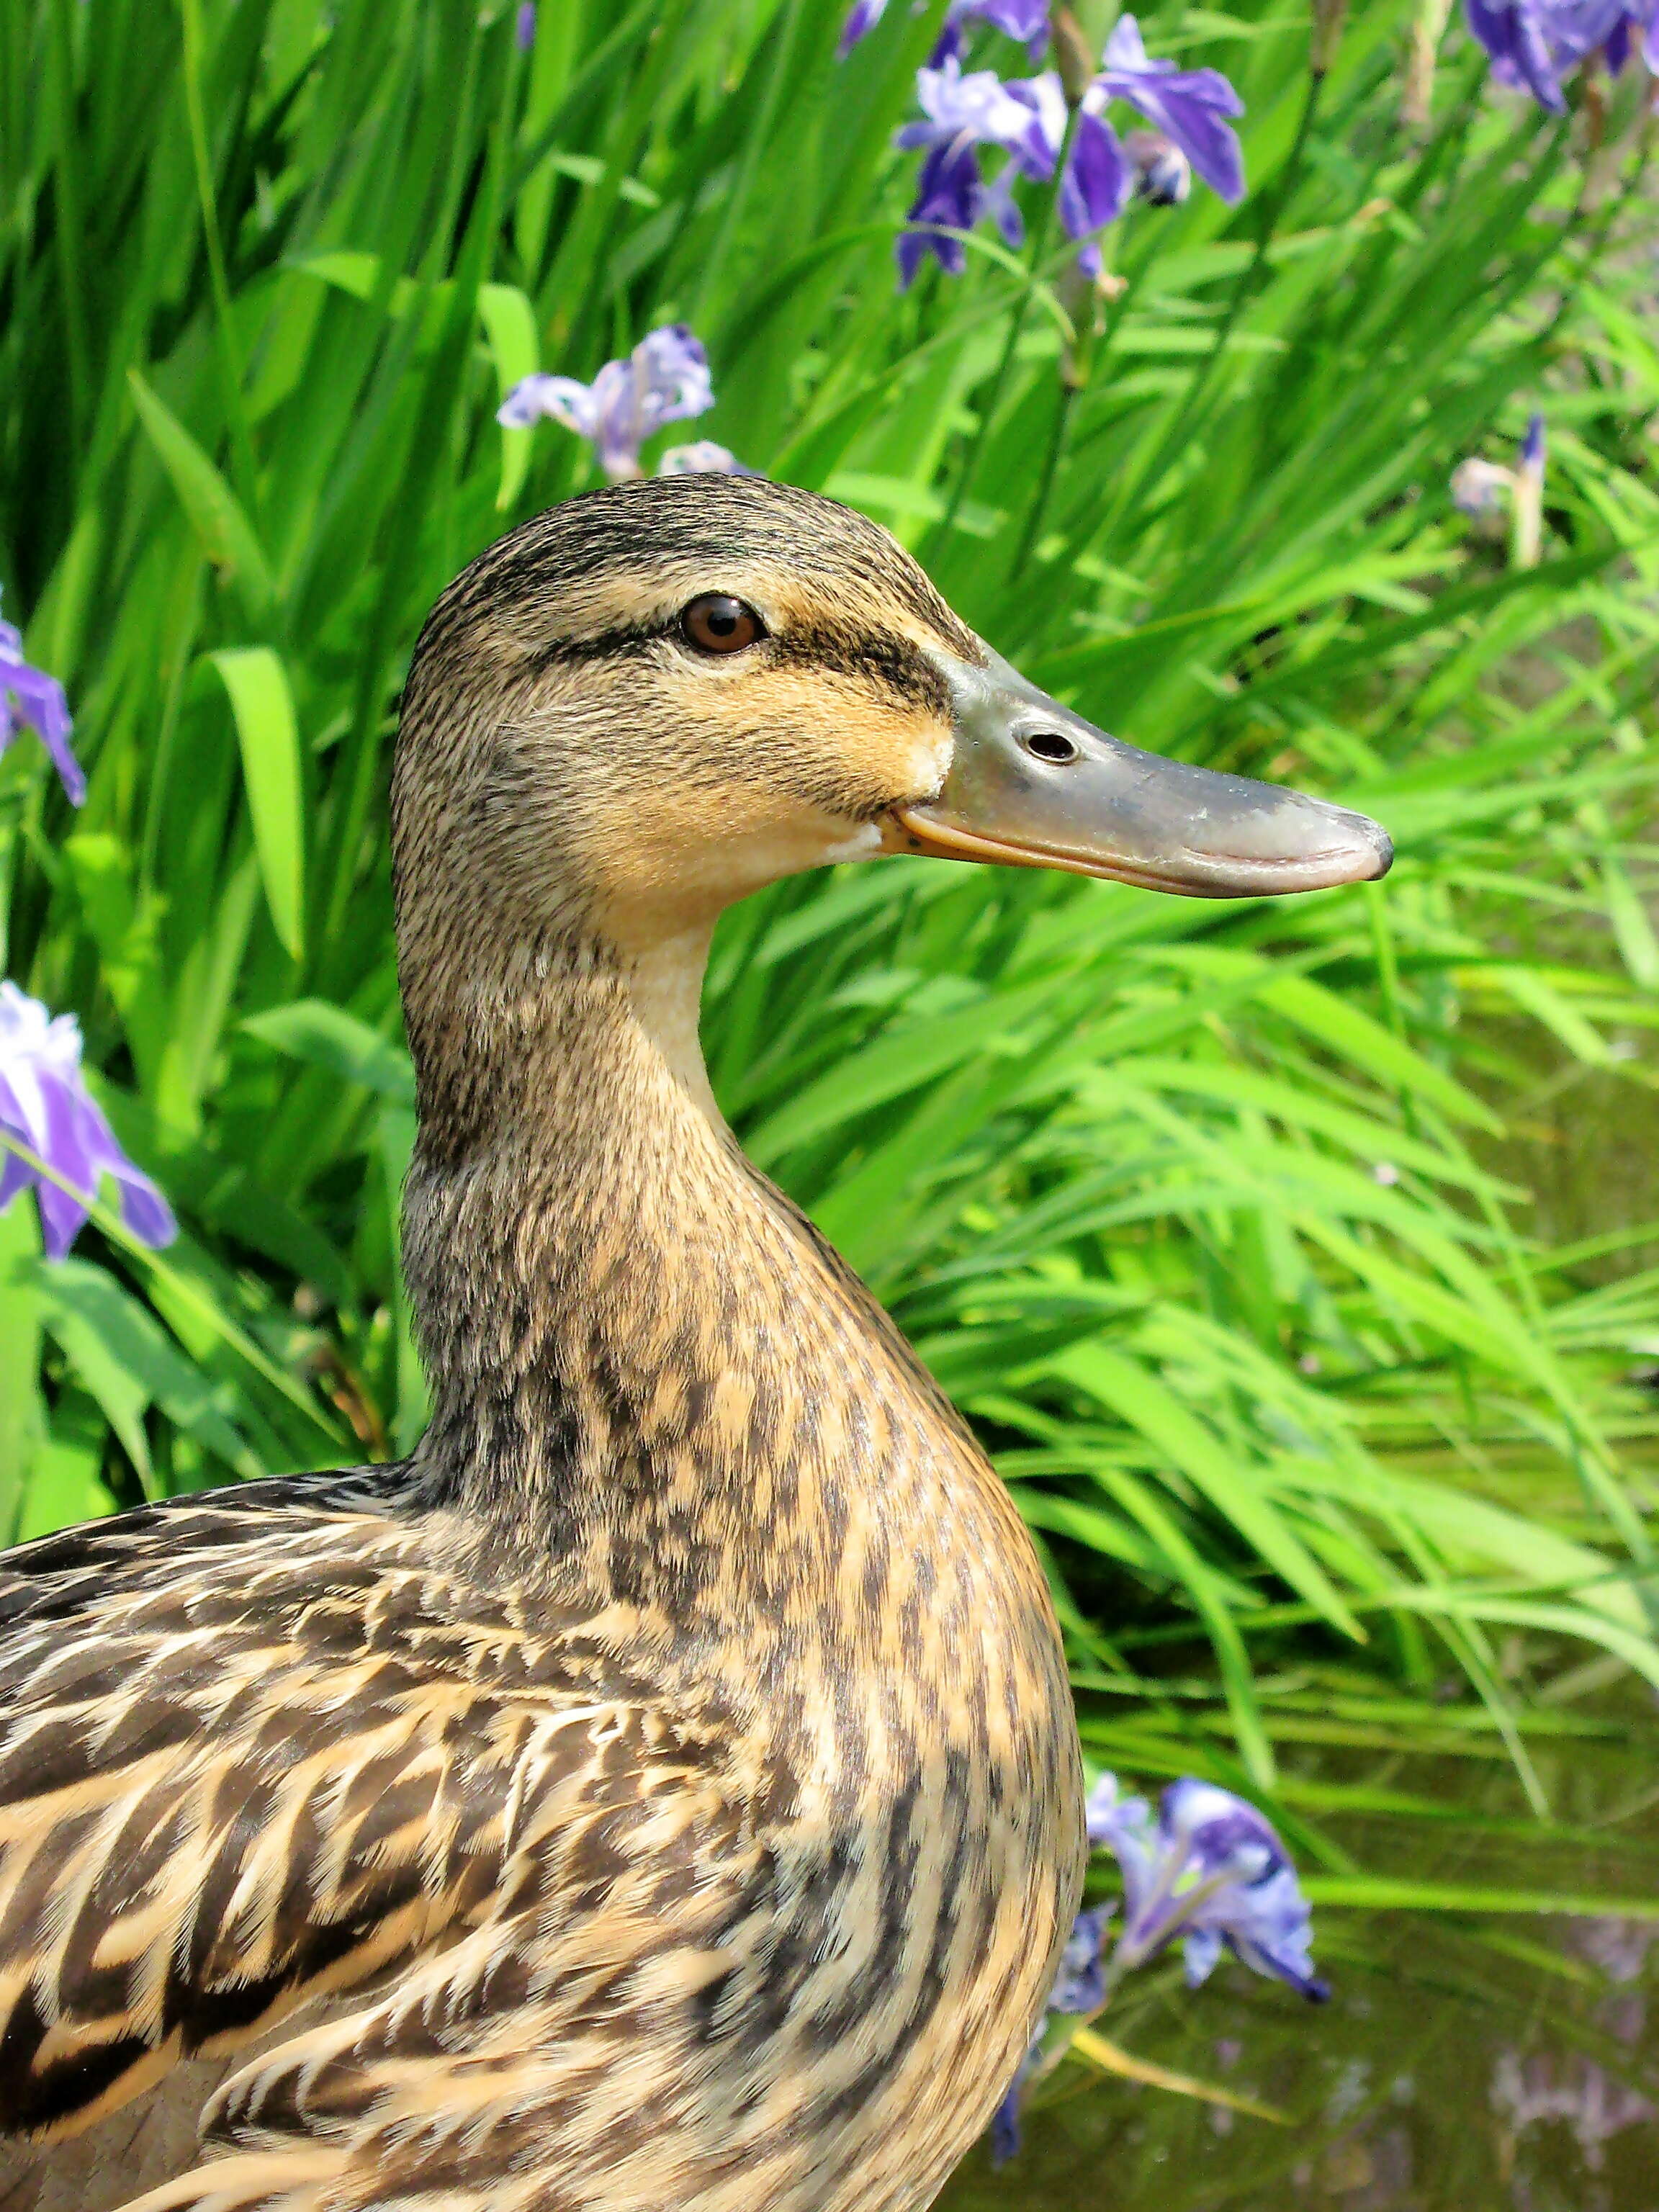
[1052, 746]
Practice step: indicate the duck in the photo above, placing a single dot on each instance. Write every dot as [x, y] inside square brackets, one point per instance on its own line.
[662, 1788]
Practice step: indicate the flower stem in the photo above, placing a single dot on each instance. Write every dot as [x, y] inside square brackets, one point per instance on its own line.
[1417, 87]
[965, 474]
[1178, 438]
[1065, 399]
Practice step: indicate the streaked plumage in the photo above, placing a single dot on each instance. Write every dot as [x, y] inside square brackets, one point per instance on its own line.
[661, 1790]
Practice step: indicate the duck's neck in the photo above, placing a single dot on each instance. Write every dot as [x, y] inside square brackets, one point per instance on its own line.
[644, 1363]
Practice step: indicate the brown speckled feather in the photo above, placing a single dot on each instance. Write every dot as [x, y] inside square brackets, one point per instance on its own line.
[661, 1790]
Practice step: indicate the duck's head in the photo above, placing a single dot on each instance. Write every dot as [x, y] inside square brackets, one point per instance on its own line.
[652, 700]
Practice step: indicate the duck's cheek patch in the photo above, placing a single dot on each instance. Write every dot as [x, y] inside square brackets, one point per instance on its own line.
[931, 762]
[864, 844]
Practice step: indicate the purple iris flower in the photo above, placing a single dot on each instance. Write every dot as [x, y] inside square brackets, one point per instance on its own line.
[862, 18]
[1527, 535]
[29, 695]
[1643, 21]
[1095, 186]
[962, 114]
[1079, 1986]
[45, 1104]
[1005, 2123]
[1024, 20]
[1095, 183]
[702, 457]
[1482, 490]
[664, 379]
[1037, 147]
[980, 108]
[1488, 493]
[1535, 43]
[950, 197]
[524, 27]
[1191, 107]
[1211, 1871]
[1028, 118]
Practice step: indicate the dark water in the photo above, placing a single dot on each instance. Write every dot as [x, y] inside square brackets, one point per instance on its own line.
[1432, 2081]
[1465, 2061]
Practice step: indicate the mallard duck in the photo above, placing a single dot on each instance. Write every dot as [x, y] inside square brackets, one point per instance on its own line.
[661, 1790]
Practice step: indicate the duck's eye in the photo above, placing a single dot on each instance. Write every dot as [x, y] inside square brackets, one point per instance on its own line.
[718, 623]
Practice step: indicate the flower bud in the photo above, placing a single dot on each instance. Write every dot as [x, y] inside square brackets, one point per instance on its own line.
[1163, 175]
[1483, 491]
[1329, 17]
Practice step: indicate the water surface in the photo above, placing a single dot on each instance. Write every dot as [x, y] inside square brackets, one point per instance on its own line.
[1465, 2061]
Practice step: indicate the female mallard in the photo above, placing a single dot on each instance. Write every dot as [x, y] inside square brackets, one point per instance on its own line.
[662, 1791]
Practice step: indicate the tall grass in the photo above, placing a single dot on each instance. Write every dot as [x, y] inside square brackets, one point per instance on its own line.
[1192, 1207]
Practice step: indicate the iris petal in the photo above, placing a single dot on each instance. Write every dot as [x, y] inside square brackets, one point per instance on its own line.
[862, 18]
[664, 379]
[28, 695]
[1534, 43]
[1096, 184]
[46, 1105]
[1213, 1872]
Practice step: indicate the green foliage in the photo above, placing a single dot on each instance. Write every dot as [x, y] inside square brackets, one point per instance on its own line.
[1193, 1207]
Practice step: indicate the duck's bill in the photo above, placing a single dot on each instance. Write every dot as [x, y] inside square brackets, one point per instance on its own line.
[1032, 785]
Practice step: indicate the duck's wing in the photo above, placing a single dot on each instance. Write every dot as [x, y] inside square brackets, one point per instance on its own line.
[256, 1746]
[516, 2072]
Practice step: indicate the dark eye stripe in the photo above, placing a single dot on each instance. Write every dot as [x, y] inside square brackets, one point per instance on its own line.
[892, 664]
[570, 650]
[877, 656]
